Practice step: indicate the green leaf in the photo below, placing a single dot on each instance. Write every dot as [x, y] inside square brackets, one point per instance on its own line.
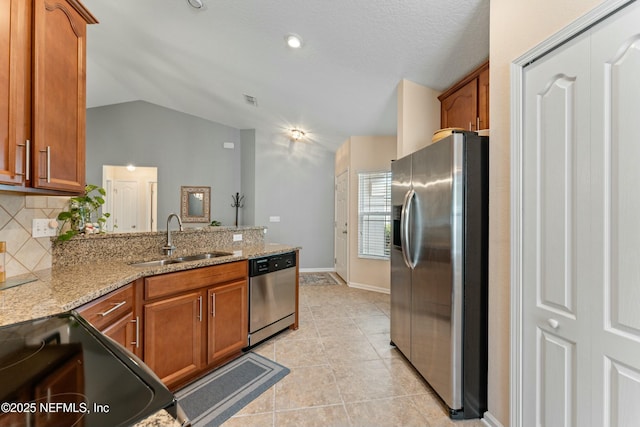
[62, 216]
[66, 236]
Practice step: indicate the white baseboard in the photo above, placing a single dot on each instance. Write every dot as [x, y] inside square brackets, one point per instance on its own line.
[490, 421]
[318, 270]
[368, 287]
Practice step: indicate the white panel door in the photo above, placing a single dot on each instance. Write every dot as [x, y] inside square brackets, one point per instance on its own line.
[615, 119]
[341, 225]
[125, 206]
[556, 334]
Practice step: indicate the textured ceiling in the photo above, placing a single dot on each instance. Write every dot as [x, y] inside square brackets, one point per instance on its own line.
[341, 83]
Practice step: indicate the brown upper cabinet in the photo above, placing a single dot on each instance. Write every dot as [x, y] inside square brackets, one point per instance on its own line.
[43, 95]
[466, 104]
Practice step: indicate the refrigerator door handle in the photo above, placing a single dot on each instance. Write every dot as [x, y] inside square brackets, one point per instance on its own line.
[404, 225]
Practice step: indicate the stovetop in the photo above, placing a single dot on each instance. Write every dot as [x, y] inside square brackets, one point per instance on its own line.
[59, 370]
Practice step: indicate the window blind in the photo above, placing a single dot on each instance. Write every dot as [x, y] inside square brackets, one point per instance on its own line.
[374, 214]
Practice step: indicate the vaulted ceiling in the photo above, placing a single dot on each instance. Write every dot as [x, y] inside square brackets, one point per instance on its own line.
[342, 82]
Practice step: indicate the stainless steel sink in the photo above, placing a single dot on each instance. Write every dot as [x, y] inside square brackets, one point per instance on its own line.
[196, 257]
[156, 263]
[206, 255]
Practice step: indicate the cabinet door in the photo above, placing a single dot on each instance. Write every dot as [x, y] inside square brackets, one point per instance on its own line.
[125, 332]
[173, 330]
[15, 88]
[483, 100]
[59, 97]
[228, 320]
[460, 109]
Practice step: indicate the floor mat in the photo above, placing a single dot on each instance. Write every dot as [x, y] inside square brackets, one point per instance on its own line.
[318, 279]
[215, 398]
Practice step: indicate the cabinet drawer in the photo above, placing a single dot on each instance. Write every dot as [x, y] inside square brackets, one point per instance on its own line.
[173, 283]
[108, 308]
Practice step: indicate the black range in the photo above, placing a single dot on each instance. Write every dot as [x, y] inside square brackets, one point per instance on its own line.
[59, 370]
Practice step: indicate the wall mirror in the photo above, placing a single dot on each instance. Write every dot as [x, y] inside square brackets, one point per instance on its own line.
[195, 204]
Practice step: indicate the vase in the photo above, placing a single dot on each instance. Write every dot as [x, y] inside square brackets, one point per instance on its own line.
[81, 216]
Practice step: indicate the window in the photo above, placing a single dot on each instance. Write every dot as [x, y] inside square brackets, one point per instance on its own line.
[374, 214]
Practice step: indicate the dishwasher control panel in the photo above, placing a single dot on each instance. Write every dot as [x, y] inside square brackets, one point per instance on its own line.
[271, 263]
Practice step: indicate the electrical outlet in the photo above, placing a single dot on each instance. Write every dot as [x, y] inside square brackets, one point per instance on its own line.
[44, 227]
[274, 219]
[237, 237]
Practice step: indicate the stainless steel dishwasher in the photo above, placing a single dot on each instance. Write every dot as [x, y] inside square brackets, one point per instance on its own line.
[272, 295]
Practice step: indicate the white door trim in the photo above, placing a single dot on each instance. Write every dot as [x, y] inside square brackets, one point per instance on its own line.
[583, 23]
[346, 175]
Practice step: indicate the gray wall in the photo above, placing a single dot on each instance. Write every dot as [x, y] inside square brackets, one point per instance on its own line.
[294, 181]
[187, 150]
[248, 142]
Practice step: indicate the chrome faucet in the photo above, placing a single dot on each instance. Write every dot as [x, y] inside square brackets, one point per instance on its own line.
[168, 248]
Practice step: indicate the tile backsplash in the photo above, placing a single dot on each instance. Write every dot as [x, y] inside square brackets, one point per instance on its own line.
[25, 253]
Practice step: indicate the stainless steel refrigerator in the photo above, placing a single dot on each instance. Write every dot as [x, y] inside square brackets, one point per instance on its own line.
[439, 267]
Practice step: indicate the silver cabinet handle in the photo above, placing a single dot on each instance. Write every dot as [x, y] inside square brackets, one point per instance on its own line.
[137, 341]
[213, 305]
[27, 159]
[116, 306]
[477, 123]
[200, 308]
[48, 151]
[48, 163]
[470, 126]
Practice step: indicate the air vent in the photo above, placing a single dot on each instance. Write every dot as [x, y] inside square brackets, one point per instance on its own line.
[251, 100]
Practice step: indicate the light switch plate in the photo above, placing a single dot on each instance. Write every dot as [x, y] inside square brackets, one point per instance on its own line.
[237, 237]
[41, 227]
[274, 219]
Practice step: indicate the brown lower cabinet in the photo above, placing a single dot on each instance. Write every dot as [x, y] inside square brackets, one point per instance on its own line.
[181, 324]
[194, 320]
[173, 330]
[115, 316]
[227, 326]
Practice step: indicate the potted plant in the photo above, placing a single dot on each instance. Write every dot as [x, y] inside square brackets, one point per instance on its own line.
[81, 210]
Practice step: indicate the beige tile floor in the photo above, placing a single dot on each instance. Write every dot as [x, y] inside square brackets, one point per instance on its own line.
[343, 370]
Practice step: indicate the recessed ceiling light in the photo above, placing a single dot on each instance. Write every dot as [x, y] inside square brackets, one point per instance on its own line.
[294, 41]
[297, 134]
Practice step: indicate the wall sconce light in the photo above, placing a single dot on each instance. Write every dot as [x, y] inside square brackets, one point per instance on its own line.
[196, 4]
[297, 134]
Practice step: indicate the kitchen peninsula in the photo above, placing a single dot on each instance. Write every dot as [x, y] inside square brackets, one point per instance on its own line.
[88, 267]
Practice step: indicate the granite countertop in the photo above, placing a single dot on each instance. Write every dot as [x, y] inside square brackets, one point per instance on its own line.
[160, 419]
[60, 289]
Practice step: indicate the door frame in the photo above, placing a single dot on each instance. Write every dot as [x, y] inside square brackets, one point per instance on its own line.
[335, 221]
[580, 25]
